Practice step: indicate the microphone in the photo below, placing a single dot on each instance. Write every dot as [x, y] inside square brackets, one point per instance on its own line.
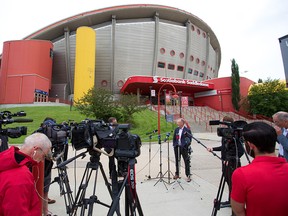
[214, 122]
[154, 131]
[167, 137]
[21, 113]
[188, 134]
[22, 120]
[10, 121]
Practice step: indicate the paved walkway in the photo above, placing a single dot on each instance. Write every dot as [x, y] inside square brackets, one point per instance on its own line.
[157, 196]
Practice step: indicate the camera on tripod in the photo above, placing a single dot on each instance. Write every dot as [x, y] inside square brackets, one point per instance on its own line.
[96, 132]
[234, 129]
[6, 117]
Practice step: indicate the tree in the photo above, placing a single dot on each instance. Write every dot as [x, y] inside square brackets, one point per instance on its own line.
[268, 97]
[235, 84]
[129, 105]
[99, 104]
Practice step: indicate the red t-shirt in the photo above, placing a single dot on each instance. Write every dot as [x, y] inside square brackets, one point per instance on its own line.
[262, 186]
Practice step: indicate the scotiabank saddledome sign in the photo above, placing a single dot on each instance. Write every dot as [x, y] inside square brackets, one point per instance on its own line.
[157, 79]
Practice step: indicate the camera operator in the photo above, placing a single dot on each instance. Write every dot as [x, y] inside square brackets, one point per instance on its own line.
[260, 188]
[17, 185]
[181, 144]
[231, 151]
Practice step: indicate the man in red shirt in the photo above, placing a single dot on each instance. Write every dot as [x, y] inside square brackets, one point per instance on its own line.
[17, 185]
[260, 188]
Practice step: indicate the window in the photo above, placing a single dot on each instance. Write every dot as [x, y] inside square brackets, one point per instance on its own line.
[204, 35]
[192, 28]
[203, 63]
[120, 83]
[181, 55]
[171, 66]
[161, 65]
[172, 52]
[190, 70]
[191, 58]
[162, 50]
[197, 60]
[198, 31]
[195, 73]
[180, 68]
[104, 83]
[201, 74]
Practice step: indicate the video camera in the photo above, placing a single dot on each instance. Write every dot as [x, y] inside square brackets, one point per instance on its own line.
[6, 117]
[96, 133]
[234, 130]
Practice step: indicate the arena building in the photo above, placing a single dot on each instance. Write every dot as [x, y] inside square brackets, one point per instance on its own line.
[139, 48]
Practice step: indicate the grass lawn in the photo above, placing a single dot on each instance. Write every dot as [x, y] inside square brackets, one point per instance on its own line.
[144, 122]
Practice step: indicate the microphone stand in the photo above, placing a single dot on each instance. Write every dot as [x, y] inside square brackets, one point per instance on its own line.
[199, 142]
[149, 176]
[168, 171]
[150, 138]
[160, 174]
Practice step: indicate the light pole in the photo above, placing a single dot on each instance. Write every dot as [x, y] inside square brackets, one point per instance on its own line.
[150, 87]
[159, 93]
[180, 102]
[164, 90]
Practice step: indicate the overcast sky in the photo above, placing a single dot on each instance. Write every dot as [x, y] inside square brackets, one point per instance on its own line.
[248, 30]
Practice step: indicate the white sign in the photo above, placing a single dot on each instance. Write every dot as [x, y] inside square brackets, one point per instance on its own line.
[153, 93]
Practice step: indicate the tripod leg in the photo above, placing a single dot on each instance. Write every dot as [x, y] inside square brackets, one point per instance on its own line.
[115, 202]
[65, 189]
[149, 175]
[82, 188]
[217, 200]
[93, 197]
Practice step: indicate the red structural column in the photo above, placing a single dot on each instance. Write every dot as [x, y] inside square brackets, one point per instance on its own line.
[38, 173]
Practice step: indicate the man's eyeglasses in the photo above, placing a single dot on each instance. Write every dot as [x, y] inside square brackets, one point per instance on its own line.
[47, 156]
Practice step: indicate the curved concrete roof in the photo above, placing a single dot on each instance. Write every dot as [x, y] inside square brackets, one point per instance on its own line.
[135, 11]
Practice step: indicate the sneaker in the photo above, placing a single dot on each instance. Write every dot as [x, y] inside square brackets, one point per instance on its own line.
[51, 201]
[188, 179]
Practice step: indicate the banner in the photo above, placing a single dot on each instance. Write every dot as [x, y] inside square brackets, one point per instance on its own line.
[184, 101]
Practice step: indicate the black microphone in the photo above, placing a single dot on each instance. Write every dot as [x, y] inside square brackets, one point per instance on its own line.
[167, 137]
[22, 120]
[21, 113]
[214, 122]
[154, 131]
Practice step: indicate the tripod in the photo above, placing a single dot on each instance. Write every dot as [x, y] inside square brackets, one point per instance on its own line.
[160, 174]
[131, 198]
[227, 170]
[80, 199]
[63, 182]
